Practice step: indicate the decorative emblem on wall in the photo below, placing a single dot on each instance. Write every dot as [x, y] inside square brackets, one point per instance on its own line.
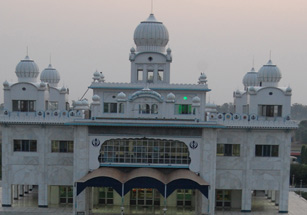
[193, 144]
[95, 142]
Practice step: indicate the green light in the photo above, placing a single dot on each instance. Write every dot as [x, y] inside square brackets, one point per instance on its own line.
[185, 98]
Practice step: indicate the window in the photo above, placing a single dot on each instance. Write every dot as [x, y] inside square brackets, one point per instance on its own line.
[154, 109]
[66, 194]
[121, 108]
[110, 108]
[223, 198]
[24, 105]
[25, 145]
[160, 75]
[266, 150]
[184, 197]
[245, 109]
[148, 151]
[106, 195]
[228, 149]
[150, 76]
[183, 109]
[144, 109]
[144, 197]
[270, 110]
[140, 75]
[53, 105]
[62, 146]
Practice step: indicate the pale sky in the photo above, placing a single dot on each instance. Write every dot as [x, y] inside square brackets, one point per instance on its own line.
[218, 37]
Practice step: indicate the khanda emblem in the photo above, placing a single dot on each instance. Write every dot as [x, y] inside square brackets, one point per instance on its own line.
[193, 144]
[96, 142]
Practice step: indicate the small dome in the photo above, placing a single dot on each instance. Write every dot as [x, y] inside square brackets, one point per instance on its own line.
[196, 99]
[42, 84]
[96, 76]
[101, 77]
[202, 78]
[288, 90]
[27, 70]
[169, 50]
[96, 98]
[63, 89]
[132, 50]
[151, 35]
[269, 73]
[250, 79]
[51, 76]
[252, 89]
[170, 97]
[210, 107]
[6, 84]
[121, 96]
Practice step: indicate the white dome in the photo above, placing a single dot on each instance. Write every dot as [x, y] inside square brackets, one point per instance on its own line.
[96, 98]
[170, 97]
[269, 73]
[196, 99]
[202, 78]
[27, 70]
[51, 76]
[151, 35]
[6, 84]
[96, 76]
[42, 84]
[121, 96]
[250, 79]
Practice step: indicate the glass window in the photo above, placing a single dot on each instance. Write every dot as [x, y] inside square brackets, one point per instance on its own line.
[53, 105]
[270, 110]
[121, 108]
[24, 105]
[154, 109]
[149, 151]
[140, 75]
[223, 198]
[183, 109]
[160, 75]
[266, 150]
[150, 76]
[228, 149]
[110, 108]
[66, 194]
[62, 146]
[105, 195]
[25, 145]
[184, 197]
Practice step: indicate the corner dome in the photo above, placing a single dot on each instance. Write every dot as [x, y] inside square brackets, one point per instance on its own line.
[269, 73]
[27, 70]
[170, 97]
[96, 98]
[51, 76]
[250, 79]
[121, 96]
[151, 35]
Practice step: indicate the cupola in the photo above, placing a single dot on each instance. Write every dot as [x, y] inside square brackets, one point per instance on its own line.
[51, 76]
[27, 70]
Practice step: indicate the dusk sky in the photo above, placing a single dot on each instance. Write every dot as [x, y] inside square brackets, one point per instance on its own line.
[218, 37]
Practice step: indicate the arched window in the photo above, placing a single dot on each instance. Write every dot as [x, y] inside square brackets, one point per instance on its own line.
[154, 109]
[121, 108]
[144, 151]
[144, 109]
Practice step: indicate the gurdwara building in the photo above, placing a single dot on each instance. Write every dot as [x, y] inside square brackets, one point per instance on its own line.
[146, 142]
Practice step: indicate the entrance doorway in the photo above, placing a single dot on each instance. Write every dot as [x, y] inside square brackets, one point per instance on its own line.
[144, 197]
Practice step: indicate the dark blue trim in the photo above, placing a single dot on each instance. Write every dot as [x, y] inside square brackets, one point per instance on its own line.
[186, 184]
[283, 212]
[100, 182]
[246, 211]
[144, 125]
[5, 205]
[43, 206]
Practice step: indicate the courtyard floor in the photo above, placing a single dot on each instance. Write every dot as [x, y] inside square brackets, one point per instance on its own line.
[27, 205]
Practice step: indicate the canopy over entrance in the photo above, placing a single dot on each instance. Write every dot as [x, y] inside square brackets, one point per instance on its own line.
[123, 180]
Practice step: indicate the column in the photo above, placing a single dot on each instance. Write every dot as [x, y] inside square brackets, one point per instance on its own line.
[277, 198]
[266, 193]
[273, 196]
[15, 188]
[42, 195]
[26, 189]
[269, 194]
[246, 203]
[21, 190]
[6, 195]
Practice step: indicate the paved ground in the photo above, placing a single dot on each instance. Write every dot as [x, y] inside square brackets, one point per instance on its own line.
[261, 206]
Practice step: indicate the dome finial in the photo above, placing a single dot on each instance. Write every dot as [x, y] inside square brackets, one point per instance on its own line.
[50, 58]
[27, 51]
[152, 4]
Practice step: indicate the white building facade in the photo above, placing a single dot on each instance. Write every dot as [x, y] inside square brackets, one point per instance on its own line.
[147, 142]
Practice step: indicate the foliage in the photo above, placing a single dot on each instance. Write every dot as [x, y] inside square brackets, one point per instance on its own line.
[303, 155]
[301, 132]
[300, 173]
[299, 112]
[225, 108]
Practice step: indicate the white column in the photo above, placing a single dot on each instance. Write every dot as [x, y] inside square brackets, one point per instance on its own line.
[42, 195]
[26, 189]
[277, 198]
[15, 196]
[273, 196]
[269, 194]
[21, 190]
[246, 201]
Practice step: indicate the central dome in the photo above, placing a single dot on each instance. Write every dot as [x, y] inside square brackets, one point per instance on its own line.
[151, 35]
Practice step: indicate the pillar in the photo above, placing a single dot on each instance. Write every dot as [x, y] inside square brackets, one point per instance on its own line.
[82, 202]
[26, 189]
[273, 196]
[266, 193]
[276, 198]
[269, 194]
[15, 195]
[21, 190]
[246, 202]
[42, 195]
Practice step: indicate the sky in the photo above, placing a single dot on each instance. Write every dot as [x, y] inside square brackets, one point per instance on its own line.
[221, 38]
